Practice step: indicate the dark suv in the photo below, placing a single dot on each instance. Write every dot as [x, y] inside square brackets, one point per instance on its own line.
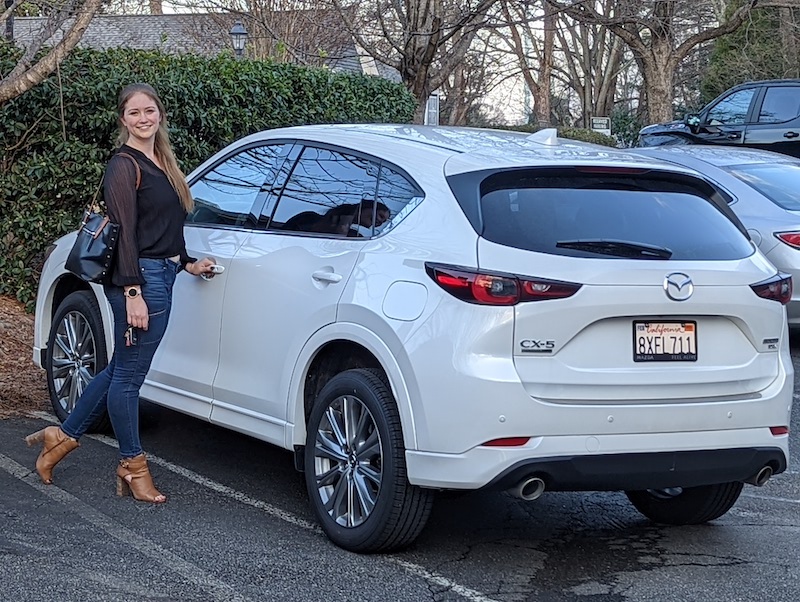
[763, 114]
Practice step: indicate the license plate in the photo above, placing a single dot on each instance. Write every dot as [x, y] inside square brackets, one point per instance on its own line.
[665, 341]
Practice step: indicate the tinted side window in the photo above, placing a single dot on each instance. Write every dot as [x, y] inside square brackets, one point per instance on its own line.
[397, 195]
[327, 193]
[780, 104]
[731, 110]
[232, 192]
[578, 215]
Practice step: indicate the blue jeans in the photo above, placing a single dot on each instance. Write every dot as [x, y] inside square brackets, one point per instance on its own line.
[116, 389]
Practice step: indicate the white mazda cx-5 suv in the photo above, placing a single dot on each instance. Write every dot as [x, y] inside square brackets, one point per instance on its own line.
[412, 309]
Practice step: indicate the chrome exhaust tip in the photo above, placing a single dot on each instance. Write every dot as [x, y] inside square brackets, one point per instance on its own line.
[761, 477]
[528, 489]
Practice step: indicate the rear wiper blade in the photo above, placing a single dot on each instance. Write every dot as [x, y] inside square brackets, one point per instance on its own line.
[618, 248]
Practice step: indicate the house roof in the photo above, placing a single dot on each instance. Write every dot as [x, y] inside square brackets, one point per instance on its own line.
[197, 33]
[177, 33]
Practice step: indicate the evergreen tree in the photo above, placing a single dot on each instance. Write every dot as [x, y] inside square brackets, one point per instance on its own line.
[764, 47]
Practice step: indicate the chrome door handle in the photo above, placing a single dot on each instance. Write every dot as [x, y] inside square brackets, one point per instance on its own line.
[791, 135]
[323, 276]
[734, 135]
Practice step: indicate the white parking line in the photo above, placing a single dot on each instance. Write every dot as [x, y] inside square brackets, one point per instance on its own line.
[219, 590]
[417, 570]
[771, 498]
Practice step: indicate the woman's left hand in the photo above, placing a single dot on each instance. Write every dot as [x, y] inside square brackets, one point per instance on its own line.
[202, 266]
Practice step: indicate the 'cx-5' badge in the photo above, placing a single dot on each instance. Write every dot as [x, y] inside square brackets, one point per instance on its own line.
[678, 286]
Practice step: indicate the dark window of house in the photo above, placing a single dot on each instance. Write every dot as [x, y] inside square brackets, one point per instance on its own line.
[232, 193]
[328, 192]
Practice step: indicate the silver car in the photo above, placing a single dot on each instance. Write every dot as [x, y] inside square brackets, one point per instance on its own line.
[765, 194]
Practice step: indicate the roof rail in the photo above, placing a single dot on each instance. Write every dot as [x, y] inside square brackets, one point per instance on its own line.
[548, 136]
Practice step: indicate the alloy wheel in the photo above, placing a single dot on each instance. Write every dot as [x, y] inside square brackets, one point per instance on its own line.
[348, 461]
[73, 360]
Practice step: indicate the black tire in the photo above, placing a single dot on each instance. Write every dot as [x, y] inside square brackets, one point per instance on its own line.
[391, 513]
[686, 506]
[76, 351]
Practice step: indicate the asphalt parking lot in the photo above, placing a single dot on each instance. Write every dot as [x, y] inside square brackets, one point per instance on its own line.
[238, 527]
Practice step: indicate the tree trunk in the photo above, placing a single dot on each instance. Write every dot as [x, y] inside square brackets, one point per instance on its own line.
[789, 41]
[659, 75]
[156, 7]
[588, 77]
[541, 95]
[419, 112]
[456, 98]
[608, 76]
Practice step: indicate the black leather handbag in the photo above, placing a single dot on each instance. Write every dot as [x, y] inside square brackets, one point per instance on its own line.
[92, 253]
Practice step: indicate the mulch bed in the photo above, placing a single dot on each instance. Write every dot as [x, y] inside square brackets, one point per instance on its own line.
[23, 386]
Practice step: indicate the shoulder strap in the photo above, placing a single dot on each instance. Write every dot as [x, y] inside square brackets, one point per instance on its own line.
[136, 165]
[93, 206]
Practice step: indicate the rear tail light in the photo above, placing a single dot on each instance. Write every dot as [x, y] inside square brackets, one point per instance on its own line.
[485, 288]
[778, 288]
[790, 238]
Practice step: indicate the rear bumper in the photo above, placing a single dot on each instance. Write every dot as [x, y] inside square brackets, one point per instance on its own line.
[609, 462]
[644, 471]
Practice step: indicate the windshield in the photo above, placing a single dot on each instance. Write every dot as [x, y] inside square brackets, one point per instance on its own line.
[780, 182]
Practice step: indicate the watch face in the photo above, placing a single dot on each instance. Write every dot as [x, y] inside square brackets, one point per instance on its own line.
[132, 292]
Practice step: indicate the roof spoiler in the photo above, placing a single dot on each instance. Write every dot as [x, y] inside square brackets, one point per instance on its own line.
[547, 136]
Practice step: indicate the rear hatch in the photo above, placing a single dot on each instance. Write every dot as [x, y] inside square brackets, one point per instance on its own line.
[640, 287]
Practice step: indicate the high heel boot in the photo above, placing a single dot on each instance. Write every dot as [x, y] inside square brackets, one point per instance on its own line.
[56, 445]
[133, 476]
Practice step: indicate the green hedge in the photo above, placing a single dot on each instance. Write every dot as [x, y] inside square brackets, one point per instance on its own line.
[56, 138]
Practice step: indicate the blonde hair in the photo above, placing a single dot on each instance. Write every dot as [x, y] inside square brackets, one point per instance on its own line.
[163, 148]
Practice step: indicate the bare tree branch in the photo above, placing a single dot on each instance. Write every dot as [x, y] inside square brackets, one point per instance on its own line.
[26, 75]
[650, 29]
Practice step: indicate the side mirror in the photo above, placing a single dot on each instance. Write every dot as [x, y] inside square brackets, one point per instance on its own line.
[692, 121]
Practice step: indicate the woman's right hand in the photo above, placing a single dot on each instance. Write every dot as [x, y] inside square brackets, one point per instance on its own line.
[137, 312]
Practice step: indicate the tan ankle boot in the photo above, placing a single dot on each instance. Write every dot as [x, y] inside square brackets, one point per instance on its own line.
[56, 445]
[133, 476]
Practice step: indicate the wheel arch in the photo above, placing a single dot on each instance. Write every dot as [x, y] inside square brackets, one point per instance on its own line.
[334, 349]
[60, 290]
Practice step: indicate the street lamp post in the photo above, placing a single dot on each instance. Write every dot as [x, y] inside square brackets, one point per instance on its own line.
[238, 38]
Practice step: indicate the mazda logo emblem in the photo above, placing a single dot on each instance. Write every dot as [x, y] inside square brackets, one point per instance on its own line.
[678, 286]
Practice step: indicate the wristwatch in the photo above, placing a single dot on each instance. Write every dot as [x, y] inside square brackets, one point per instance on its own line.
[132, 292]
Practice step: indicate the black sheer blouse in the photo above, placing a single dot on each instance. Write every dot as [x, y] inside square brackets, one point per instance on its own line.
[150, 218]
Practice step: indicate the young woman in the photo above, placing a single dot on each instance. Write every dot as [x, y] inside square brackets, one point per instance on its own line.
[147, 195]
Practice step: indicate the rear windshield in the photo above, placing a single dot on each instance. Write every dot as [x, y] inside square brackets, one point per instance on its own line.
[780, 183]
[589, 215]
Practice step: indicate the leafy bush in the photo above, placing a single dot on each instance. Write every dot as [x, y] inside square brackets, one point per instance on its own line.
[57, 137]
[626, 126]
